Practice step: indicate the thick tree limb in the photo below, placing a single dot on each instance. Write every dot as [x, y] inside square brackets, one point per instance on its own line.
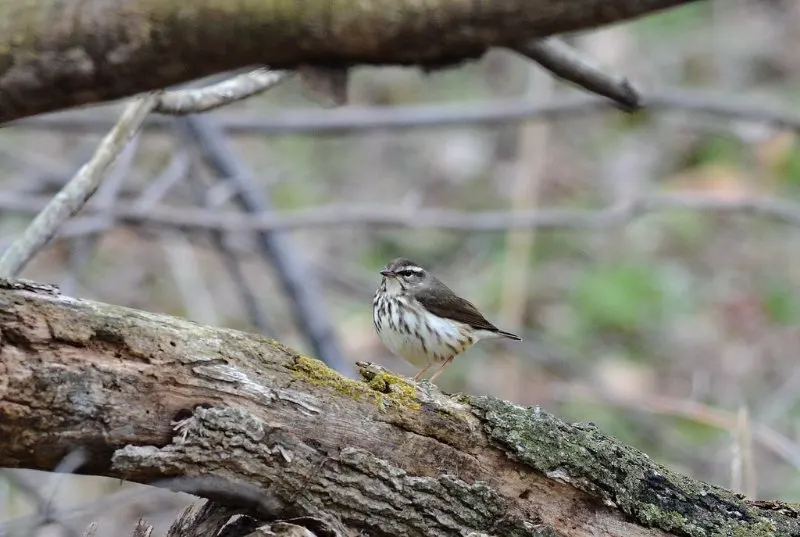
[55, 55]
[380, 454]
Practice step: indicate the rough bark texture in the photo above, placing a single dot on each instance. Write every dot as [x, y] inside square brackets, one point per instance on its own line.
[54, 55]
[380, 454]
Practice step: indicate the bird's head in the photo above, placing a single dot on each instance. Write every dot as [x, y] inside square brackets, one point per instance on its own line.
[402, 275]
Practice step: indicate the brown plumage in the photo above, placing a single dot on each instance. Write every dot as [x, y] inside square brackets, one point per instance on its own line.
[422, 320]
[445, 303]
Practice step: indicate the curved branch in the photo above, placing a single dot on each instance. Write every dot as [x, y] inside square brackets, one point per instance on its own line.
[55, 55]
[383, 454]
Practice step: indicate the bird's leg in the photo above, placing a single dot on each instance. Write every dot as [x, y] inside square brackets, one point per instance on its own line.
[441, 368]
[421, 373]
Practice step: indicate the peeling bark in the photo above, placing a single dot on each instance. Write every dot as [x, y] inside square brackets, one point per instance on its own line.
[380, 454]
[55, 55]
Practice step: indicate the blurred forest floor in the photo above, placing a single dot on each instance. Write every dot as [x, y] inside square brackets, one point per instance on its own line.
[675, 331]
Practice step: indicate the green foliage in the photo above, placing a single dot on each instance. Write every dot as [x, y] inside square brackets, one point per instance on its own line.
[781, 304]
[685, 232]
[717, 150]
[789, 171]
[559, 245]
[620, 297]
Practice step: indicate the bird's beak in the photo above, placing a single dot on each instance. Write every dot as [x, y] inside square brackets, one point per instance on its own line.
[387, 273]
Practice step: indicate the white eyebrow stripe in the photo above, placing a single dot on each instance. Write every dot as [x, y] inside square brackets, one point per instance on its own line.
[412, 268]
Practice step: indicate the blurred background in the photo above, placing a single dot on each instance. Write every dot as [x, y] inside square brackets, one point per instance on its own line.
[670, 326]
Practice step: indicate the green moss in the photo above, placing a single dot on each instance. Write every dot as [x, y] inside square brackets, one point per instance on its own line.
[600, 465]
[384, 389]
[764, 528]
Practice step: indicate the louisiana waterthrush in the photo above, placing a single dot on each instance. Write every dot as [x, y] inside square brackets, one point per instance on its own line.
[423, 321]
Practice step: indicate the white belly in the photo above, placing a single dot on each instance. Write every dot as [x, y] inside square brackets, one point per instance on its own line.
[423, 339]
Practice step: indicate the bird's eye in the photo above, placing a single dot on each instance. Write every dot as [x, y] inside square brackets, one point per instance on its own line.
[408, 273]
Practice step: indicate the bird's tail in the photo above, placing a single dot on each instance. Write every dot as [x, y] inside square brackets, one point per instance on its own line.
[509, 335]
[496, 333]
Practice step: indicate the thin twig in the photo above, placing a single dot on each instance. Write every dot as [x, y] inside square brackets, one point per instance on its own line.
[569, 64]
[743, 470]
[194, 100]
[79, 189]
[82, 186]
[178, 169]
[82, 247]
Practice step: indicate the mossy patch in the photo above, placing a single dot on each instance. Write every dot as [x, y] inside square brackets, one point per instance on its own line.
[385, 389]
[645, 491]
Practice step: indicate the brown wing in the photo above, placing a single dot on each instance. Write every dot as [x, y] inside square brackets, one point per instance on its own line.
[445, 303]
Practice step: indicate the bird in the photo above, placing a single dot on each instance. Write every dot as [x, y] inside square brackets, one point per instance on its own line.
[420, 319]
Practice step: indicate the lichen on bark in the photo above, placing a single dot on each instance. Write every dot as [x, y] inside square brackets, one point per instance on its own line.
[590, 460]
[383, 388]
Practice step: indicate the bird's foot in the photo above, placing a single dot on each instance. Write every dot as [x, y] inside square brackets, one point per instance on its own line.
[369, 366]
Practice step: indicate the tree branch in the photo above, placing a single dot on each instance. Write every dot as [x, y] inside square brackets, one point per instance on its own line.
[64, 54]
[358, 120]
[180, 102]
[569, 64]
[86, 181]
[78, 190]
[335, 216]
[380, 454]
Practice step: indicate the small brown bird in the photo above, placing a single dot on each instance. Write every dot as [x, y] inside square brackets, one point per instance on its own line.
[423, 321]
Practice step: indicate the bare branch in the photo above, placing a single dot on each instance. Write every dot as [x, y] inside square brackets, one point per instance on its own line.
[194, 100]
[78, 190]
[567, 63]
[769, 208]
[83, 185]
[177, 170]
[354, 120]
[80, 251]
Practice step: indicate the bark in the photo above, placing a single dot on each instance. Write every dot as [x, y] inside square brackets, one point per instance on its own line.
[55, 55]
[380, 454]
